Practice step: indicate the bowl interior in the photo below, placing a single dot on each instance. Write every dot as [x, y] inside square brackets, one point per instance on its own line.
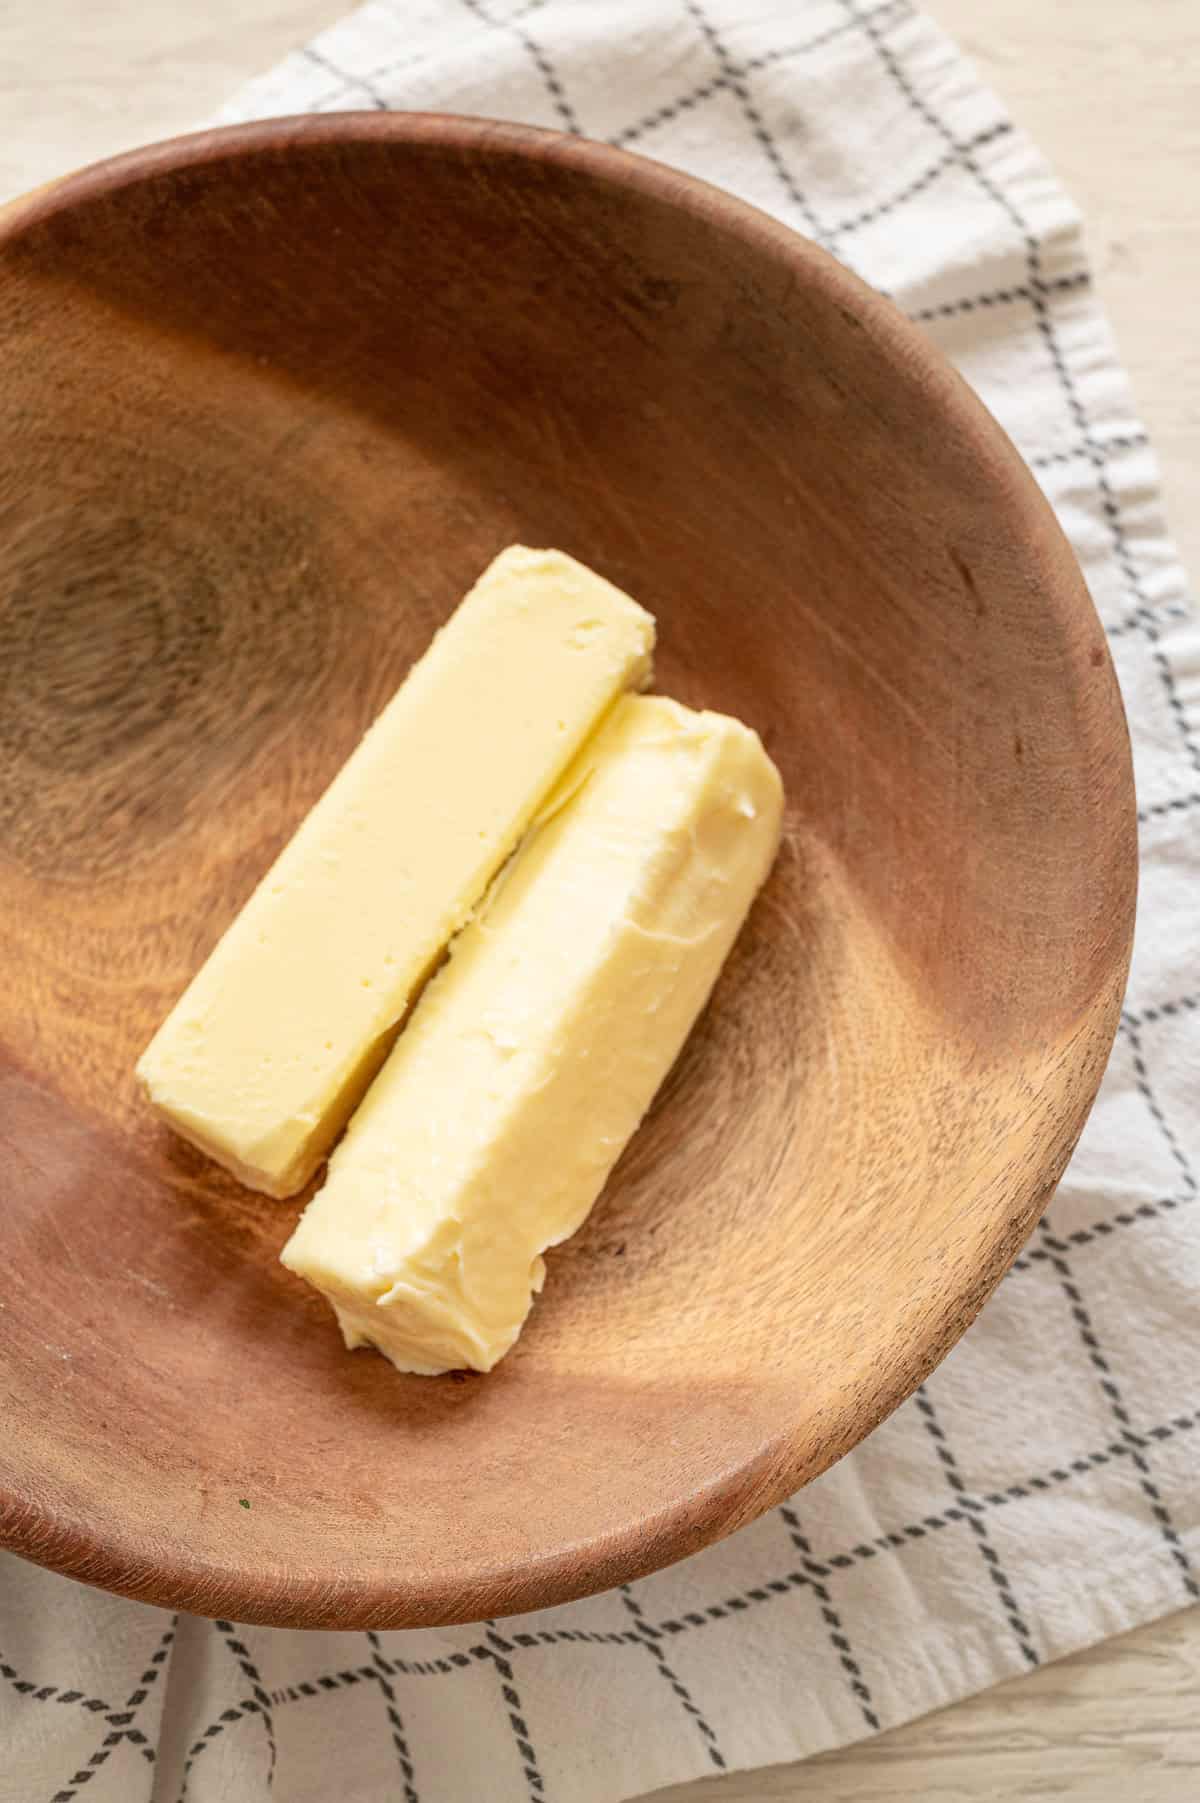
[268, 403]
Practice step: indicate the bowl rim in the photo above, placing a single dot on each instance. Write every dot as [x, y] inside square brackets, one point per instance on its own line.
[105, 1551]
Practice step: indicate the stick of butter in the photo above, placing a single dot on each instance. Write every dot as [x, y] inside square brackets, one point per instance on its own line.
[267, 1052]
[534, 1053]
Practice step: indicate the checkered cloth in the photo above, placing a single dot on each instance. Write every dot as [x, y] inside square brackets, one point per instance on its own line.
[1040, 1492]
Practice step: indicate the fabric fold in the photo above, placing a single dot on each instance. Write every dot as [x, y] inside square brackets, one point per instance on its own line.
[1039, 1493]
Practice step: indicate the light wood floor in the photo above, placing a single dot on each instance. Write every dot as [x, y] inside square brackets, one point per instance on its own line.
[1111, 91]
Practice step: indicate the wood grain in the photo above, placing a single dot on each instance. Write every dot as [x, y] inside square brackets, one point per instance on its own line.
[1109, 89]
[215, 568]
[1114, 1723]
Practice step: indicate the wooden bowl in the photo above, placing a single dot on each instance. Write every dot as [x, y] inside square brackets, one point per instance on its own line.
[270, 398]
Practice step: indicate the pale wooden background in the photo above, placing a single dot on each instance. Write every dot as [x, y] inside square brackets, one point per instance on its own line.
[1111, 90]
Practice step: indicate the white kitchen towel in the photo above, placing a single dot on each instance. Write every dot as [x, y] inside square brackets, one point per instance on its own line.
[1041, 1491]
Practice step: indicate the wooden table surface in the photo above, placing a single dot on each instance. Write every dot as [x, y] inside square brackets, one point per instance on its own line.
[1111, 91]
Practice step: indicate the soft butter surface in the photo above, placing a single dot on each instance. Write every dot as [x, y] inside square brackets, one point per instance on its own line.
[534, 1053]
[271, 1046]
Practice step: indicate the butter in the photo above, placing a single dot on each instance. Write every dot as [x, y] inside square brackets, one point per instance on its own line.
[534, 1053]
[269, 1049]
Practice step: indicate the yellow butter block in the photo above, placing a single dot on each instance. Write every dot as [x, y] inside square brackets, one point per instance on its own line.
[536, 1050]
[271, 1046]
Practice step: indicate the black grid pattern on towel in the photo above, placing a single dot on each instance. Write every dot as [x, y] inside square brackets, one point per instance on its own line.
[885, 43]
